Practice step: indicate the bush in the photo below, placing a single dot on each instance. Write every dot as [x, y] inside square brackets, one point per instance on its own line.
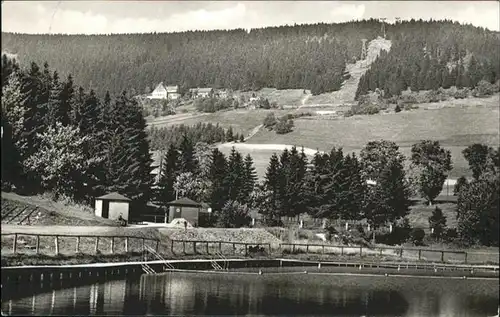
[417, 236]
[269, 121]
[284, 125]
[461, 93]
[451, 235]
[483, 89]
[397, 109]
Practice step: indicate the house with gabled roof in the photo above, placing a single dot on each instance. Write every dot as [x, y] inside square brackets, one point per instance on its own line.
[165, 92]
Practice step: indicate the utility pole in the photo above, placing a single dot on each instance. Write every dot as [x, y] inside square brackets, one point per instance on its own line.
[383, 26]
[363, 52]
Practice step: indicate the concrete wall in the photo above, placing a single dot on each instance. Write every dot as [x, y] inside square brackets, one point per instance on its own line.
[188, 213]
[98, 208]
[118, 207]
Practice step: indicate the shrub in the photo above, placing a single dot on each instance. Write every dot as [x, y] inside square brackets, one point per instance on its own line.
[269, 121]
[397, 109]
[483, 89]
[461, 93]
[284, 126]
[451, 235]
[418, 236]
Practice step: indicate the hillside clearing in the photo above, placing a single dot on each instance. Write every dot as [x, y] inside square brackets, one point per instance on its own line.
[241, 120]
[455, 128]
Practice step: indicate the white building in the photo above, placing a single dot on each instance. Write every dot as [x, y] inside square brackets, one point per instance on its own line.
[112, 206]
[165, 92]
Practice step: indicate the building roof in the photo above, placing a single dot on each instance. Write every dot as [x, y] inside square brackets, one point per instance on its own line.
[184, 201]
[204, 90]
[172, 89]
[114, 196]
[160, 87]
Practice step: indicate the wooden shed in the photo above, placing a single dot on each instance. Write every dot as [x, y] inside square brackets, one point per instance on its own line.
[112, 205]
[185, 208]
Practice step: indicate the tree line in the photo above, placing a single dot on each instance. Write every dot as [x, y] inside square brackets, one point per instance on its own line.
[160, 139]
[62, 139]
[288, 57]
[377, 187]
[430, 55]
[205, 174]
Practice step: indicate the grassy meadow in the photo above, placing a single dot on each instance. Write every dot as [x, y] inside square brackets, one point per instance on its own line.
[455, 128]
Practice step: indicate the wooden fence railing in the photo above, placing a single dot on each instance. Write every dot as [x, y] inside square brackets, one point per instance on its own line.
[97, 238]
[220, 246]
[417, 253]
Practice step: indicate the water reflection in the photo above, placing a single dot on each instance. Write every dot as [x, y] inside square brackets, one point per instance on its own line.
[207, 294]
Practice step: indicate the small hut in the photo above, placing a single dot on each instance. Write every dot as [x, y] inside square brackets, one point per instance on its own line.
[185, 208]
[112, 205]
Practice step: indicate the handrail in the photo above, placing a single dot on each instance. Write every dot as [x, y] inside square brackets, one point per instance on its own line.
[224, 259]
[12, 218]
[28, 215]
[159, 257]
[7, 214]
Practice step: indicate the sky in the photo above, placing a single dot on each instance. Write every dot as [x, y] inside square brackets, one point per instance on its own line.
[105, 17]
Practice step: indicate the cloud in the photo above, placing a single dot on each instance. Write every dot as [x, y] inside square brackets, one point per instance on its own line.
[347, 12]
[485, 17]
[73, 17]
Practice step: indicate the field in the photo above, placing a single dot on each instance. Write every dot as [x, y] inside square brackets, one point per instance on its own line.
[242, 120]
[455, 128]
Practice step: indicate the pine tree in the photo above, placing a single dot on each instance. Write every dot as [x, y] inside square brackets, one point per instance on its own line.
[54, 112]
[437, 222]
[250, 180]
[188, 163]
[229, 135]
[235, 176]
[270, 190]
[218, 171]
[168, 174]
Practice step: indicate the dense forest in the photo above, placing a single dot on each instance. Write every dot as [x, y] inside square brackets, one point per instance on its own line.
[299, 56]
[427, 56]
[305, 56]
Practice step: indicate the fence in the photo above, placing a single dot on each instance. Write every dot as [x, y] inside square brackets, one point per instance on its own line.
[407, 253]
[216, 247]
[56, 244]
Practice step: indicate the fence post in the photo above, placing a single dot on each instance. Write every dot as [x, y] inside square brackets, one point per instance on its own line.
[246, 249]
[465, 258]
[194, 247]
[442, 256]
[157, 245]
[57, 244]
[293, 248]
[143, 243]
[381, 250]
[96, 244]
[207, 248]
[234, 248]
[112, 245]
[126, 245]
[37, 244]
[419, 254]
[14, 248]
[401, 253]
[220, 247]
[184, 246]
[78, 244]
[172, 246]
[360, 251]
[341, 250]
[307, 248]
[270, 251]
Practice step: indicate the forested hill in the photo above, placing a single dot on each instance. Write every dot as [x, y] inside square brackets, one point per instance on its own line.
[300, 56]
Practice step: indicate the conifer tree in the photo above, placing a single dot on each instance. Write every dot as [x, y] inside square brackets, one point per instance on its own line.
[249, 179]
[168, 174]
[218, 170]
